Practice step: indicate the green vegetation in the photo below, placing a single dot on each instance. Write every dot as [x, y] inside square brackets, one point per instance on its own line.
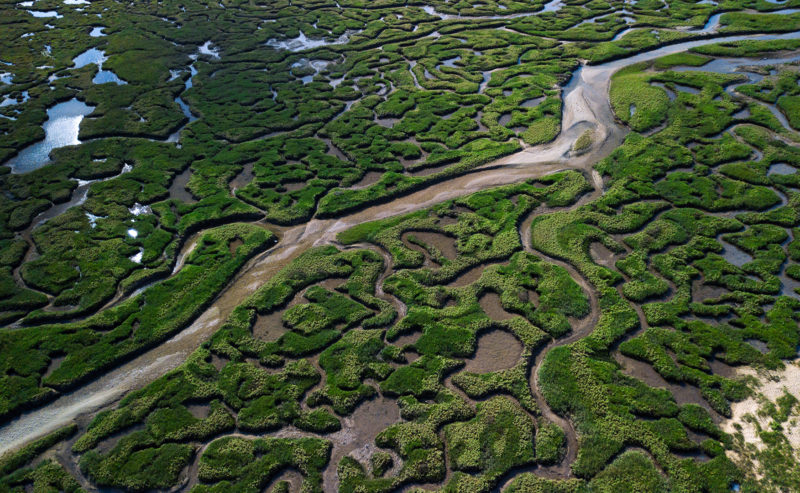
[11, 461]
[39, 362]
[585, 326]
[498, 438]
[17, 473]
[772, 422]
[583, 142]
[248, 465]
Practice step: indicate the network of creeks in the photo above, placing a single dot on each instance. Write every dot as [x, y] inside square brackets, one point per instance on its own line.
[585, 106]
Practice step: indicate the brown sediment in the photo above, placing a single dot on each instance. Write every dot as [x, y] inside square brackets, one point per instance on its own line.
[427, 261]
[369, 178]
[444, 243]
[55, 362]
[332, 283]
[602, 255]
[407, 339]
[682, 392]
[243, 178]
[491, 306]
[107, 444]
[293, 186]
[719, 367]
[291, 476]
[411, 356]
[467, 277]
[218, 362]
[357, 436]
[314, 361]
[234, 245]
[702, 291]
[199, 410]
[269, 327]
[496, 350]
[580, 329]
[529, 296]
[388, 269]
[447, 220]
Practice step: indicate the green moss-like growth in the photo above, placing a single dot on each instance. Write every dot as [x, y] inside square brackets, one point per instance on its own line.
[249, 465]
[103, 340]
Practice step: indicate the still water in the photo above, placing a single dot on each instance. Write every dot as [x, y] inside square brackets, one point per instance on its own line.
[60, 129]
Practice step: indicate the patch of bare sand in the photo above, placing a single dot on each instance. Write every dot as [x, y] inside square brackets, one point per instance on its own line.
[745, 414]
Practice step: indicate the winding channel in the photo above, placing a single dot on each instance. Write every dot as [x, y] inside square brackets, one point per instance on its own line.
[586, 105]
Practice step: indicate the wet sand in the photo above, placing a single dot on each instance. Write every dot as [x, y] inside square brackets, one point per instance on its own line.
[770, 386]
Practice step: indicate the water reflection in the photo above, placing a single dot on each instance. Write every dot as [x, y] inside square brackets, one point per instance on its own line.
[97, 57]
[206, 49]
[13, 101]
[45, 13]
[553, 6]
[60, 129]
[106, 76]
[301, 42]
[187, 112]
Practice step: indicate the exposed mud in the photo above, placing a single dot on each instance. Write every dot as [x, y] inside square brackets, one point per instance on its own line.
[580, 329]
[497, 350]
[683, 393]
[357, 436]
[369, 178]
[243, 178]
[408, 339]
[178, 190]
[443, 243]
[602, 255]
[294, 478]
[490, 303]
[234, 245]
